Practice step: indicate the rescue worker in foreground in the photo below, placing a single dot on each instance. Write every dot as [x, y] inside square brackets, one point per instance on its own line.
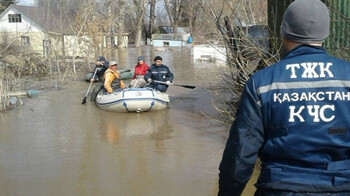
[159, 72]
[100, 68]
[294, 115]
[112, 79]
[138, 80]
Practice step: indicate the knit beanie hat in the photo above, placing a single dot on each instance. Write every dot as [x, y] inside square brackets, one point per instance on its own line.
[306, 21]
[101, 58]
[158, 58]
[140, 58]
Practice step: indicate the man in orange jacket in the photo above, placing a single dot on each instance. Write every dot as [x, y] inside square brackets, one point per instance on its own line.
[112, 79]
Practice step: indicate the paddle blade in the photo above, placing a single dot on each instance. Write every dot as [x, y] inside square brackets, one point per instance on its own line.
[188, 86]
[185, 86]
[84, 101]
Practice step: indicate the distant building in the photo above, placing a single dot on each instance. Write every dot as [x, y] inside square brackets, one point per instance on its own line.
[38, 32]
[29, 27]
[164, 36]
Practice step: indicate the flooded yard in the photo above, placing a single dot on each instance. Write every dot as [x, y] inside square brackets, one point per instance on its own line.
[54, 145]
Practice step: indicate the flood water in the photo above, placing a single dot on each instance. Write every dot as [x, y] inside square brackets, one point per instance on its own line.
[54, 145]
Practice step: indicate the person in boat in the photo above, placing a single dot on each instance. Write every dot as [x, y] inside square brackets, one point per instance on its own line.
[138, 80]
[101, 66]
[112, 79]
[159, 72]
[294, 115]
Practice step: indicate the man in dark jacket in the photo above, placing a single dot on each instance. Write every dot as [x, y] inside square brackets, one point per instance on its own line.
[159, 72]
[294, 115]
[101, 66]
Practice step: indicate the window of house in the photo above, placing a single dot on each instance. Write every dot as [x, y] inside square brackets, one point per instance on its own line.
[15, 18]
[25, 40]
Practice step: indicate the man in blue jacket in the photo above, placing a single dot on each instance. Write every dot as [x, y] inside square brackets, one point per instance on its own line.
[294, 115]
[159, 72]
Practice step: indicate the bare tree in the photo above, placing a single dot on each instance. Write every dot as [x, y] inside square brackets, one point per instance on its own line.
[120, 17]
[191, 13]
[244, 54]
[5, 4]
[152, 16]
[140, 8]
[175, 10]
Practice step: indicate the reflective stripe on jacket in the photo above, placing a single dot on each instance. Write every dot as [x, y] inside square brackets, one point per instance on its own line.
[112, 81]
[296, 115]
[160, 73]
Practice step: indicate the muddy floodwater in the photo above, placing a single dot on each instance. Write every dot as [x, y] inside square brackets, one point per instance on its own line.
[54, 145]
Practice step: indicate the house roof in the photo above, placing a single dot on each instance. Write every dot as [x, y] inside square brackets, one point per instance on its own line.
[170, 29]
[48, 20]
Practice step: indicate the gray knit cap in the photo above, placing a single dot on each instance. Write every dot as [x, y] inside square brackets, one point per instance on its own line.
[306, 21]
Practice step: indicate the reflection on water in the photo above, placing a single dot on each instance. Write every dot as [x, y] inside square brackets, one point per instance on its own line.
[54, 145]
[154, 125]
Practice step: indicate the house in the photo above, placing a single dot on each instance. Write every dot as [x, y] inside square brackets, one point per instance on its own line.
[34, 30]
[29, 28]
[164, 36]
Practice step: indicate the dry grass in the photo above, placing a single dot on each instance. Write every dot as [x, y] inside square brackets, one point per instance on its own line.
[7, 83]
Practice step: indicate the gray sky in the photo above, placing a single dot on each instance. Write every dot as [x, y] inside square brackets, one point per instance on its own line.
[26, 2]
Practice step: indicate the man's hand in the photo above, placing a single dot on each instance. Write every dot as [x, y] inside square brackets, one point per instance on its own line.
[149, 80]
[168, 83]
[92, 80]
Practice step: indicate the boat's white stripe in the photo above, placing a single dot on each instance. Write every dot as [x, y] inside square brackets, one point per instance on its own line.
[133, 99]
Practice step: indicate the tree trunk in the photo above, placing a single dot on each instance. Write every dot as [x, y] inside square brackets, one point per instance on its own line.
[110, 24]
[151, 17]
[138, 35]
[175, 25]
[120, 35]
[120, 24]
[140, 12]
[175, 15]
[167, 6]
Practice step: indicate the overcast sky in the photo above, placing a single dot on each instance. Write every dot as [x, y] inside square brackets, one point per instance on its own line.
[26, 2]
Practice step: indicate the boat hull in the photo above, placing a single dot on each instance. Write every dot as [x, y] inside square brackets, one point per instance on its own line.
[133, 100]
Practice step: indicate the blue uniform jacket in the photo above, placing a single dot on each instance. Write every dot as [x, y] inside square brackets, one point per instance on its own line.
[294, 115]
[160, 73]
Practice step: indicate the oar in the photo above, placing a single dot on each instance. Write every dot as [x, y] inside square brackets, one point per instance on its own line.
[84, 100]
[128, 70]
[185, 86]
